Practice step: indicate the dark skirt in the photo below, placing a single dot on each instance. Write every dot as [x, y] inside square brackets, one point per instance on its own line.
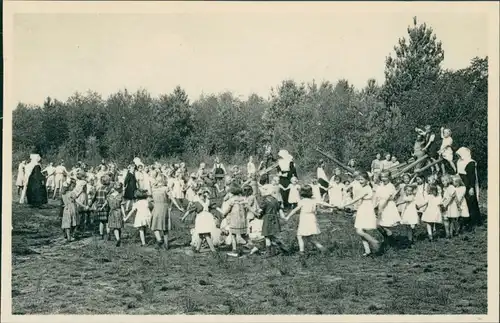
[270, 225]
[36, 192]
[473, 206]
[285, 181]
[101, 216]
[324, 184]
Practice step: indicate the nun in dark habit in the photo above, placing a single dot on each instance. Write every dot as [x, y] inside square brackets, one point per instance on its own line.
[286, 170]
[34, 191]
[467, 169]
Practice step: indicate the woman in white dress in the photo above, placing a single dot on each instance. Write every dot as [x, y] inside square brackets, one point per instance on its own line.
[366, 218]
[20, 177]
[60, 174]
[387, 210]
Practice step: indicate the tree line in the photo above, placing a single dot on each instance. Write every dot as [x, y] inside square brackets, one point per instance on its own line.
[337, 117]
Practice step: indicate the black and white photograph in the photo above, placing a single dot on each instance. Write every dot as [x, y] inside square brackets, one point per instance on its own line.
[250, 159]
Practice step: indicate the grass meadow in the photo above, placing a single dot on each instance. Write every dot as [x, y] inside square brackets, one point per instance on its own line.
[91, 276]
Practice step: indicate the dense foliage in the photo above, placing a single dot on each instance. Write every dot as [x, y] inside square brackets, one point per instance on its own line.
[346, 122]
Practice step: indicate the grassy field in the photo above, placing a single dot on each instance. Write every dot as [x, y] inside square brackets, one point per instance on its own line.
[91, 276]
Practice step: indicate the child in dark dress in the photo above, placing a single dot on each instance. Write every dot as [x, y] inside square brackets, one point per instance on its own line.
[270, 211]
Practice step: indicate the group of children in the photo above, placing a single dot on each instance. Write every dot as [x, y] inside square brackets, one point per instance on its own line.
[238, 208]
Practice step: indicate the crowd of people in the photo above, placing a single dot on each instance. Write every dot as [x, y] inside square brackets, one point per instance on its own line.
[244, 208]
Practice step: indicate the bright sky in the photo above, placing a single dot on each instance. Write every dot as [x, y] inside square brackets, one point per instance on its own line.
[58, 54]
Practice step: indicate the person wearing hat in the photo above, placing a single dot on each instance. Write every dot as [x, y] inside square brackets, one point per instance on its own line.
[34, 190]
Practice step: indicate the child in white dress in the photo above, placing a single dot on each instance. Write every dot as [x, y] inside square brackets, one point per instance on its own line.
[142, 214]
[366, 218]
[409, 215]
[205, 227]
[450, 213]
[336, 191]
[294, 195]
[308, 224]
[432, 214]
[190, 188]
[178, 187]
[460, 191]
[446, 150]
[387, 209]
[316, 189]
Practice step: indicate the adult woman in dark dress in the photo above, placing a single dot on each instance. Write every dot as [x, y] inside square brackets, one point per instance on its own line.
[286, 170]
[34, 190]
[467, 169]
[431, 147]
[130, 187]
[321, 175]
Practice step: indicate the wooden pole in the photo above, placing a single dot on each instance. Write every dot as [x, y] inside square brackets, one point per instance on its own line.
[409, 166]
[336, 161]
[418, 171]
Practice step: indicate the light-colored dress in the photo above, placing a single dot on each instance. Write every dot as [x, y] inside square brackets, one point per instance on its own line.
[432, 213]
[20, 175]
[447, 152]
[178, 188]
[50, 177]
[59, 176]
[335, 193]
[69, 218]
[308, 224]
[389, 216]
[81, 194]
[190, 193]
[409, 214]
[294, 195]
[205, 221]
[159, 218]
[366, 218]
[452, 209]
[235, 208]
[462, 202]
[316, 192]
[143, 214]
[356, 192]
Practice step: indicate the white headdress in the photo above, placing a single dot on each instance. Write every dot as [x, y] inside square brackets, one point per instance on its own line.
[285, 159]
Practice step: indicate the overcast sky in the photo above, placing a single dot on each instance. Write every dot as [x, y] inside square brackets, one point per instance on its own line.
[58, 54]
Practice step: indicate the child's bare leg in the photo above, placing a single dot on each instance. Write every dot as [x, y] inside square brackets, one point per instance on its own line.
[67, 232]
[318, 245]
[143, 238]
[368, 238]
[199, 242]
[429, 231]
[210, 243]
[165, 239]
[101, 229]
[446, 223]
[117, 234]
[233, 242]
[300, 240]
[157, 236]
[410, 233]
